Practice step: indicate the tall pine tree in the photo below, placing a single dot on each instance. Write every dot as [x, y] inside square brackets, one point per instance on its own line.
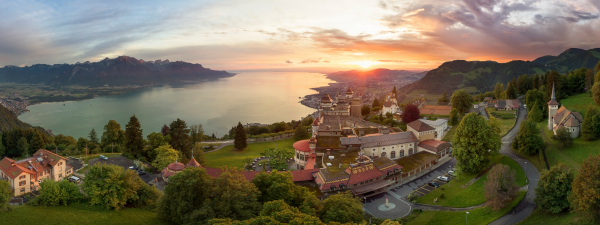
[134, 141]
[93, 136]
[23, 147]
[36, 142]
[180, 138]
[2, 148]
[240, 137]
[536, 113]
[588, 131]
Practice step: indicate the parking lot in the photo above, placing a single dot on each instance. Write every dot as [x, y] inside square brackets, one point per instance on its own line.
[426, 188]
[124, 162]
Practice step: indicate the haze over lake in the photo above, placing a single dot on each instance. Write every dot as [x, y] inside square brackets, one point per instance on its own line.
[253, 97]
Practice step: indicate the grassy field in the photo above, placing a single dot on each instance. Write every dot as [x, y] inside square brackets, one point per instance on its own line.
[539, 217]
[78, 214]
[482, 215]
[232, 157]
[450, 134]
[578, 103]
[505, 124]
[456, 196]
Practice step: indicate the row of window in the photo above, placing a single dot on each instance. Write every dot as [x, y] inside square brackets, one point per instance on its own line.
[393, 153]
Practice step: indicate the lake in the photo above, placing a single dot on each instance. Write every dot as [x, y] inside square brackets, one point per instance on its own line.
[253, 97]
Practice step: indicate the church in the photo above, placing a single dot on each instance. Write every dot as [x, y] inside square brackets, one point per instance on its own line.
[562, 118]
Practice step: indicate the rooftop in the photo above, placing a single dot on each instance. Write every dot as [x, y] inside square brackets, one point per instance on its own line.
[413, 161]
[435, 109]
[419, 126]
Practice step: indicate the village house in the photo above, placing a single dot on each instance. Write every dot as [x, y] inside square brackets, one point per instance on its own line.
[390, 104]
[25, 175]
[440, 126]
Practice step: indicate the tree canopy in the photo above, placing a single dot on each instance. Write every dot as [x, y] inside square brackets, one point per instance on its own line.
[461, 100]
[410, 113]
[554, 188]
[180, 138]
[240, 142]
[165, 155]
[342, 208]
[5, 195]
[536, 113]
[584, 196]
[473, 143]
[588, 128]
[500, 187]
[529, 139]
[134, 141]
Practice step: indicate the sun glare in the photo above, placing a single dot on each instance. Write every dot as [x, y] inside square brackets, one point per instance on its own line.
[364, 64]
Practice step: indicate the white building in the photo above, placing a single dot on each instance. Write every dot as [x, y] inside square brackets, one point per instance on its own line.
[440, 126]
[392, 146]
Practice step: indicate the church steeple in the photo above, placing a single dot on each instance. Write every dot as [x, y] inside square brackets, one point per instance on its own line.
[553, 98]
[553, 95]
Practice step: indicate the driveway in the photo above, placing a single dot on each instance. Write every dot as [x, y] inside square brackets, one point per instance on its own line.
[124, 162]
[75, 163]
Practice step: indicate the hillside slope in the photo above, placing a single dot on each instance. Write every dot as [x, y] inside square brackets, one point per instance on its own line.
[8, 120]
[123, 70]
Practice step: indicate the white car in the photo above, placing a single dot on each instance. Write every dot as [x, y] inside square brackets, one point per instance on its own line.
[443, 178]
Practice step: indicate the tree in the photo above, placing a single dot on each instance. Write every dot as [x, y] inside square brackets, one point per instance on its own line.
[62, 139]
[81, 143]
[596, 92]
[2, 149]
[584, 196]
[180, 137]
[443, 99]
[394, 91]
[93, 136]
[494, 125]
[365, 110]
[410, 113]
[536, 113]
[5, 195]
[588, 131]
[300, 133]
[187, 192]
[240, 137]
[375, 103]
[500, 187]
[111, 187]
[511, 92]
[498, 90]
[23, 147]
[36, 142]
[233, 196]
[196, 133]
[57, 193]
[278, 156]
[554, 188]
[280, 186]
[165, 155]
[563, 136]
[529, 140]
[342, 208]
[112, 135]
[134, 141]
[454, 117]
[164, 130]
[461, 101]
[307, 121]
[589, 79]
[199, 154]
[473, 143]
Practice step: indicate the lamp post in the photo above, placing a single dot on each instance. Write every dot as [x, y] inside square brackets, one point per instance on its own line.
[365, 212]
[467, 218]
[526, 180]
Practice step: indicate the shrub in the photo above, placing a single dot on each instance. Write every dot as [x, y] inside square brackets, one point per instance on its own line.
[54, 193]
[442, 195]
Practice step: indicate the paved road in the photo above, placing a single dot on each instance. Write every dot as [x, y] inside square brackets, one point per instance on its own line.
[526, 206]
[395, 195]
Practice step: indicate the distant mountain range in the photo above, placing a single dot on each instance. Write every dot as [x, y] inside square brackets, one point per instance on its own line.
[372, 78]
[482, 75]
[123, 70]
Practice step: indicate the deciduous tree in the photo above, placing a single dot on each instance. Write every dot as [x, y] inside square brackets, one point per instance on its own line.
[588, 130]
[2, 148]
[23, 147]
[563, 136]
[196, 133]
[134, 141]
[36, 142]
[535, 114]
[5, 195]
[55, 193]
[443, 99]
[473, 143]
[240, 137]
[280, 186]
[342, 208]
[529, 140]
[500, 187]
[233, 196]
[113, 135]
[187, 192]
[165, 155]
[110, 186]
[199, 154]
[596, 92]
[461, 100]
[164, 130]
[300, 133]
[584, 196]
[454, 117]
[554, 188]
[365, 110]
[410, 113]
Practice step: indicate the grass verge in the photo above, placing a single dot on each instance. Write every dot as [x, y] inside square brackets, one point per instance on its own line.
[232, 157]
[539, 217]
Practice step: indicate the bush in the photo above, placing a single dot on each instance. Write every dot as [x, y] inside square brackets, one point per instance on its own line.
[57, 193]
[412, 197]
[442, 195]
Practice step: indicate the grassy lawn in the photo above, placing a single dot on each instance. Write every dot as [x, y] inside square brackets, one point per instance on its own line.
[578, 103]
[539, 217]
[450, 134]
[482, 215]
[232, 157]
[456, 196]
[79, 214]
[505, 124]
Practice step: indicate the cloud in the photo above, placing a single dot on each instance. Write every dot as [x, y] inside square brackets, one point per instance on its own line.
[390, 60]
[311, 60]
[289, 61]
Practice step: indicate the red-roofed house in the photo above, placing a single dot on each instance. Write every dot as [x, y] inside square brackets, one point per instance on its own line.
[303, 150]
[440, 148]
[25, 175]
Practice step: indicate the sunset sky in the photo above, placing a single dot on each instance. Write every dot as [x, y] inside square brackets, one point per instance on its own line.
[253, 34]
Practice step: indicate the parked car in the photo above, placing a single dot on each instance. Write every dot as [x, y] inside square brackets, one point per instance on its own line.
[133, 168]
[443, 178]
[103, 157]
[434, 184]
[74, 179]
[451, 172]
[141, 172]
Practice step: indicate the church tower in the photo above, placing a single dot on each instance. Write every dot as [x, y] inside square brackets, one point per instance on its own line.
[552, 109]
[355, 103]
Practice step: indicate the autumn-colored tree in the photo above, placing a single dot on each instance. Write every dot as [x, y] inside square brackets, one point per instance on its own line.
[554, 188]
[410, 113]
[585, 193]
[164, 130]
[500, 187]
[165, 155]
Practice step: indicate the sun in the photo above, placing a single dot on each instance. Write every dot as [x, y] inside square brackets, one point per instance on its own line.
[364, 63]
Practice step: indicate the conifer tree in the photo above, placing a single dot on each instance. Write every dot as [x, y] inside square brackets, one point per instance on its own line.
[2, 148]
[536, 113]
[134, 141]
[180, 138]
[375, 103]
[395, 92]
[240, 137]
[588, 132]
[36, 142]
[23, 147]
[198, 154]
[93, 136]
[453, 117]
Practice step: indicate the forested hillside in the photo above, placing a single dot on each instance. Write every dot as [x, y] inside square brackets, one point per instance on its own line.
[8, 120]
